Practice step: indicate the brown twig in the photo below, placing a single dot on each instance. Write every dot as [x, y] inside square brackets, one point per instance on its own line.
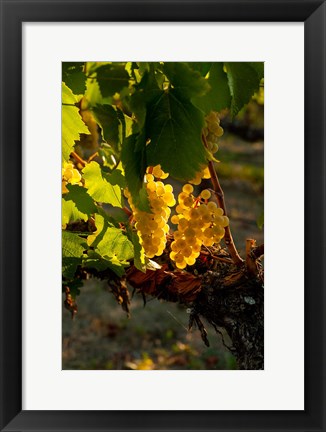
[225, 260]
[127, 211]
[258, 251]
[93, 156]
[228, 239]
[251, 264]
[78, 158]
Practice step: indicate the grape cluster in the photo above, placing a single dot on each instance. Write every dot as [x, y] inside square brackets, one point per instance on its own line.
[199, 221]
[152, 228]
[69, 175]
[213, 131]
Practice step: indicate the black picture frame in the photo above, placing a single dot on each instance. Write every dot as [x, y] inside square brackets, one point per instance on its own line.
[13, 14]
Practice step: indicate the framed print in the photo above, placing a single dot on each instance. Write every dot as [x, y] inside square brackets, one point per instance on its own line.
[106, 54]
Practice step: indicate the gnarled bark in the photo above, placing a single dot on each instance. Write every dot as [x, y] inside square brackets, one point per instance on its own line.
[239, 310]
[227, 296]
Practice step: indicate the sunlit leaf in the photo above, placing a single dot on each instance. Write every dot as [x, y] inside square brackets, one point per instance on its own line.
[99, 185]
[72, 124]
[72, 251]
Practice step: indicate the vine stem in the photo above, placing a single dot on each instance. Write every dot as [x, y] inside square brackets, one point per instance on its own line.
[228, 239]
[258, 251]
[78, 158]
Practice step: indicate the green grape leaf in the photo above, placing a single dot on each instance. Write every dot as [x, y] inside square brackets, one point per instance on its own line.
[73, 248]
[82, 200]
[174, 127]
[143, 67]
[244, 81]
[112, 78]
[72, 124]
[110, 247]
[99, 186]
[70, 212]
[110, 121]
[92, 67]
[218, 97]
[139, 254]
[67, 96]
[101, 223]
[145, 92]
[128, 126]
[259, 68]
[93, 93]
[100, 263]
[187, 81]
[133, 159]
[115, 244]
[202, 67]
[116, 178]
[74, 77]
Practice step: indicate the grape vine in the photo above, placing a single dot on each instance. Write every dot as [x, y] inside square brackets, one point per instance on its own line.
[138, 141]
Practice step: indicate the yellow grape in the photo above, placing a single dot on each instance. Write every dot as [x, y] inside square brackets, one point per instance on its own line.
[206, 174]
[156, 241]
[174, 247]
[68, 174]
[182, 196]
[149, 177]
[202, 210]
[178, 235]
[189, 233]
[188, 202]
[179, 208]
[218, 211]
[208, 241]
[181, 265]
[188, 189]
[190, 260]
[166, 228]
[181, 243]
[219, 132]
[175, 219]
[157, 171]
[179, 258]
[64, 188]
[186, 251]
[183, 223]
[211, 206]
[206, 217]
[196, 247]
[212, 117]
[219, 220]
[194, 213]
[173, 255]
[205, 194]
[160, 190]
[191, 241]
[208, 232]
[151, 186]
